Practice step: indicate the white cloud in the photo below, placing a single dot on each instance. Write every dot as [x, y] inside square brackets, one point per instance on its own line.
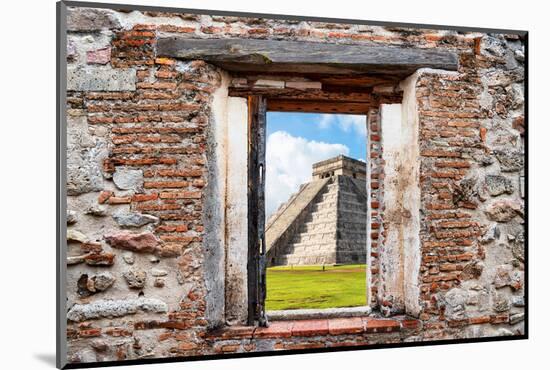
[346, 122]
[288, 164]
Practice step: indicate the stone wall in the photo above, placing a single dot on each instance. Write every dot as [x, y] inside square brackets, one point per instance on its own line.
[141, 173]
[138, 129]
[471, 139]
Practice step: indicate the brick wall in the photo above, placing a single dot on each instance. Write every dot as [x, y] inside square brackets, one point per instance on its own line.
[472, 162]
[376, 164]
[137, 162]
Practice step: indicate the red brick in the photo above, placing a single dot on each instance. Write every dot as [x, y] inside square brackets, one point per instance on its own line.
[181, 195]
[102, 95]
[448, 267]
[144, 197]
[276, 329]
[176, 29]
[118, 332]
[211, 29]
[177, 216]
[439, 206]
[104, 196]
[482, 134]
[88, 333]
[100, 259]
[157, 207]
[258, 31]
[444, 175]
[433, 37]
[499, 319]
[299, 346]
[165, 61]
[120, 200]
[177, 238]
[455, 234]
[166, 184]
[100, 119]
[479, 320]
[410, 324]
[453, 164]
[233, 332]
[91, 247]
[145, 161]
[439, 153]
[172, 228]
[457, 323]
[382, 326]
[199, 183]
[352, 325]
[179, 173]
[178, 107]
[457, 224]
[305, 328]
[519, 124]
[472, 124]
[187, 346]
[165, 336]
[157, 85]
[477, 45]
[159, 95]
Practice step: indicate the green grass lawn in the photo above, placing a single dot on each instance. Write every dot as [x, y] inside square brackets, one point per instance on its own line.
[310, 287]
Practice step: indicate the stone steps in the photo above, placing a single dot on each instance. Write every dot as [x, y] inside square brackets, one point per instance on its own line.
[333, 232]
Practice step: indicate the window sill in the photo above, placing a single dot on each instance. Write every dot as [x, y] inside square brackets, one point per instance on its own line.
[318, 327]
[327, 313]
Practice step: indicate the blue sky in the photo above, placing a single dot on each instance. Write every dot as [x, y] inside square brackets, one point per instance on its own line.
[328, 128]
[297, 140]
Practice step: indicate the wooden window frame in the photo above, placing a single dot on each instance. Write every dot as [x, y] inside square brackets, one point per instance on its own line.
[258, 106]
[256, 262]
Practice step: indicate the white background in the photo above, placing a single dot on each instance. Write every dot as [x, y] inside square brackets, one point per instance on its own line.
[27, 183]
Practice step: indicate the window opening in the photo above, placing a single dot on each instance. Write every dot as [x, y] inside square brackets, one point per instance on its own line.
[316, 210]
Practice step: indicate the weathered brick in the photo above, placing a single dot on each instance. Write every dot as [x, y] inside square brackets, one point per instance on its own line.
[310, 328]
[181, 195]
[144, 197]
[382, 326]
[165, 185]
[346, 326]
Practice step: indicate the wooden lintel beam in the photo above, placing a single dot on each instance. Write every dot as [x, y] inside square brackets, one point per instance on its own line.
[306, 57]
[312, 106]
[316, 95]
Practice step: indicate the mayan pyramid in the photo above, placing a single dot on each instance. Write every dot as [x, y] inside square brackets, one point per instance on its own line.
[324, 222]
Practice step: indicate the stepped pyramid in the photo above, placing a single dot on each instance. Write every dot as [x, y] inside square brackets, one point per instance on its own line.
[325, 221]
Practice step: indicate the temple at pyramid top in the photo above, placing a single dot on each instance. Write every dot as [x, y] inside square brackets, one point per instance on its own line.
[324, 222]
[340, 165]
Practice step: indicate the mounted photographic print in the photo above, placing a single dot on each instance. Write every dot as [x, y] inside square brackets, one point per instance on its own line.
[235, 184]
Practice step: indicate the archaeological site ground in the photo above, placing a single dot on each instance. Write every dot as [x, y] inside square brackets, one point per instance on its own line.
[169, 244]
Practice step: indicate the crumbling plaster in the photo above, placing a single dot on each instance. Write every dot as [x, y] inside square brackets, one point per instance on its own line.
[227, 210]
[236, 293]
